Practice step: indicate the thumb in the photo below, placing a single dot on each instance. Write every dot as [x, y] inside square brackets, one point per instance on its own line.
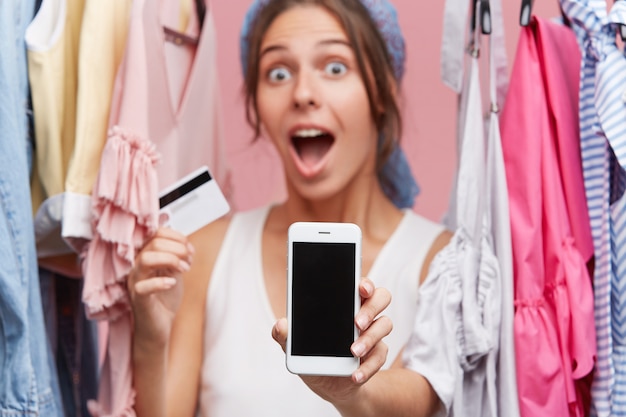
[279, 332]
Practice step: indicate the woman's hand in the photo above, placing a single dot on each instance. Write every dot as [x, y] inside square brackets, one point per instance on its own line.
[155, 285]
[369, 346]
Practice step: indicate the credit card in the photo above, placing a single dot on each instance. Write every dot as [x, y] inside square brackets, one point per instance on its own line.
[192, 202]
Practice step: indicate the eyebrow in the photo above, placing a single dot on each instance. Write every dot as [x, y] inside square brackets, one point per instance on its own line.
[326, 42]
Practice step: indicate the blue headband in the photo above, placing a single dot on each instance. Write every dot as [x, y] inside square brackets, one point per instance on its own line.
[396, 177]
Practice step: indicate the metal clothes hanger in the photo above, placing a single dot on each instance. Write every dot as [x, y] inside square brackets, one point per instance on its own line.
[201, 10]
[485, 16]
[527, 9]
[180, 38]
[525, 12]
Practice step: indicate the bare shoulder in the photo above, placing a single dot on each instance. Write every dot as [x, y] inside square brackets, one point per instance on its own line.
[207, 242]
[438, 244]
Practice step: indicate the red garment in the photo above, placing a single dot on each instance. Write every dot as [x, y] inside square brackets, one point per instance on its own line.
[551, 237]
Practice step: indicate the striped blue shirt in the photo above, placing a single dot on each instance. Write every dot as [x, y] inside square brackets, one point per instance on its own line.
[603, 147]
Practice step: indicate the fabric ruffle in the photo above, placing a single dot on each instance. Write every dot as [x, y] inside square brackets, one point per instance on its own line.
[124, 215]
[459, 300]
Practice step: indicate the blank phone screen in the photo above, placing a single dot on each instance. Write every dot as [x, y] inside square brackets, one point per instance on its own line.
[322, 299]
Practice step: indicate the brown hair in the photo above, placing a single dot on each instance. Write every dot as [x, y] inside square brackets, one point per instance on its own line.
[372, 58]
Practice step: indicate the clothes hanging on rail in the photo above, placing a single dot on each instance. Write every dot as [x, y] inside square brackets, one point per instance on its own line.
[168, 94]
[101, 47]
[475, 373]
[165, 95]
[75, 49]
[603, 142]
[52, 40]
[125, 204]
[497, 198]
[550, 233]
[28, 382]
[461, 295]
[72, 48]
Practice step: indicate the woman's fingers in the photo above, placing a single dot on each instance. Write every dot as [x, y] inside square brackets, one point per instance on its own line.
[168, 240]
[368, 339]
[154, 285]
[167, 233]
[279, 332]
[372, 306]
[369, 346]
[152, 262]
[366, 288]
[166, 253]
[371, 363]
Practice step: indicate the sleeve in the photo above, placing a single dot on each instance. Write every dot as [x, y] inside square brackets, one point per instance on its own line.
[438, 313]
[101, 51]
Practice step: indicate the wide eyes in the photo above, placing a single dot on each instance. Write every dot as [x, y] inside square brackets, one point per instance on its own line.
[335, 68]
[279, 74]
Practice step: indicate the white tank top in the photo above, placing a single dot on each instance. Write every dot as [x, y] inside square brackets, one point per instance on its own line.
[243, 372]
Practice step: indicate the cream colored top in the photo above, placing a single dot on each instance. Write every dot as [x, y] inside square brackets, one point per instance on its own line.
[243, 372]
[102, 42]
[52, 49]
[74, 50]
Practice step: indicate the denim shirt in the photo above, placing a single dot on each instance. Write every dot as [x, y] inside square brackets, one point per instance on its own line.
[28, 385]
[74, 341]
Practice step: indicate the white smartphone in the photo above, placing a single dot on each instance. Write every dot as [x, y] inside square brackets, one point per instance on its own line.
[192, 202]
[324, 270]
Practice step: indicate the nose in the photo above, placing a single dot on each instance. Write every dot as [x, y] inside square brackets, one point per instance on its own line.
[305, 93]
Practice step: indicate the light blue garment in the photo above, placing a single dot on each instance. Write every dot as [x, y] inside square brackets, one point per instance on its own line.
[73, 339]
[27, 383]
[603, 147]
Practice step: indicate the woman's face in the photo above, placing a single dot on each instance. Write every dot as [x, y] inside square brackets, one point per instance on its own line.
[313, 104]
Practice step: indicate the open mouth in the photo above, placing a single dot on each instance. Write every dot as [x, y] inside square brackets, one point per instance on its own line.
[311, 145]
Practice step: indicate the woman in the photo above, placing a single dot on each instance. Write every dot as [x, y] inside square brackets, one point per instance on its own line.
[322, 83]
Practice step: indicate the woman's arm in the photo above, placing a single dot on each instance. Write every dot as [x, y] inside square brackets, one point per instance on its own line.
[169, 320]
[393, 392]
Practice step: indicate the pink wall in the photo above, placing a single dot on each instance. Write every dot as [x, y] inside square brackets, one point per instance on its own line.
[429, 106]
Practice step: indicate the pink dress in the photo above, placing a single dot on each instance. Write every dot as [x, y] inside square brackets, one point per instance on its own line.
[551, 237]
[165, 102]
[182, 120]
[125, 206]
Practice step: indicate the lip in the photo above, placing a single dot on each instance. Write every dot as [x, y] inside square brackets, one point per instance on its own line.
[307, 171]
